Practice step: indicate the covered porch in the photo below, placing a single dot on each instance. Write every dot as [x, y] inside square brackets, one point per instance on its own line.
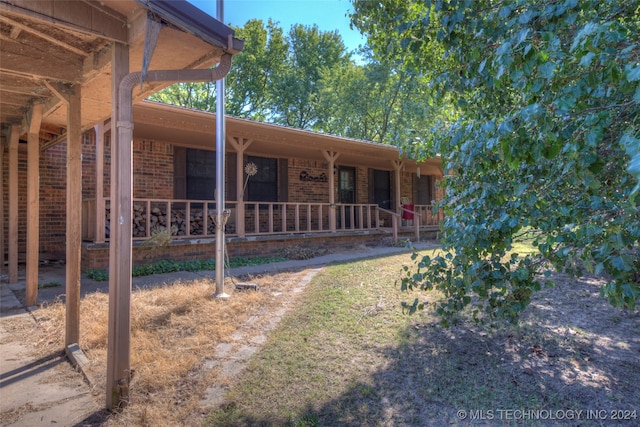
[323, 184]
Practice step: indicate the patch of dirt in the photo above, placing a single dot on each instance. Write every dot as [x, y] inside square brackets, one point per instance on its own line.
[572, 354]
[230, 358]
[585, 348]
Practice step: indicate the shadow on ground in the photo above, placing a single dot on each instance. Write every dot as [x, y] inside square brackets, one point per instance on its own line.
[572, 360]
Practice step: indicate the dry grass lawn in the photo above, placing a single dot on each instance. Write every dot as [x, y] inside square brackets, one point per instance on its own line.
[175, 330]
[340, 352]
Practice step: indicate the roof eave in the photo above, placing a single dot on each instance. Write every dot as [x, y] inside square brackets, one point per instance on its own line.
[194, 21]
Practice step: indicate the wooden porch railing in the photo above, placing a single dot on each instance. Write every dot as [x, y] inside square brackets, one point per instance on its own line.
[427, 215]
[288, 217]
[395, 221]
[195, 218]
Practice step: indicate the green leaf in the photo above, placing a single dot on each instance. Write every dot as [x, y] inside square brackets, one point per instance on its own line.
[584, 32]
[620, 263]
[633, 72]
[546, 70]
[586, 59]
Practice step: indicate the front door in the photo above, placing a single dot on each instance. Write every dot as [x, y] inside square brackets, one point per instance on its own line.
[346, 193]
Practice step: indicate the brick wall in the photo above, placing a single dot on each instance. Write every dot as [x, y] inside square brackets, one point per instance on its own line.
[22, 195]
[152, 170]
[96, 256]
[307, 191]
[53, 199]
[362, 185]
[53, 181]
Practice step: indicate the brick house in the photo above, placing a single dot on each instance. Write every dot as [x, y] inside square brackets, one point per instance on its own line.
[287, 202]
[310, 188]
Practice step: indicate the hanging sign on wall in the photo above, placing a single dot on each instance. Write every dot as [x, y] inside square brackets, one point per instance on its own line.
[304, 176]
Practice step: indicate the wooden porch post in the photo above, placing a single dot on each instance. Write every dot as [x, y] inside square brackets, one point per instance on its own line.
[397, 167]
[240, 145]
[120, 248]
[99, 220]
[331, 157]
[240, 220]
[33, 203]
[74, 215]
[14, 139]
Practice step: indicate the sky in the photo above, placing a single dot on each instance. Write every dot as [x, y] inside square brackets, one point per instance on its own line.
[328, 15]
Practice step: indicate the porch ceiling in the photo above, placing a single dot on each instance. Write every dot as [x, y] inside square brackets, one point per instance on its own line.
[196, 129]
[46, 46]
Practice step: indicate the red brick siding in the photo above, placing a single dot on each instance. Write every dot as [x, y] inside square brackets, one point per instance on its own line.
[97, 255]
[307, 191]
[22, 195]
[362, 185]
[53, 200]
[152, 170]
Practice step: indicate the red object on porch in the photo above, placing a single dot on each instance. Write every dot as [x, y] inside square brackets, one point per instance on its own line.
[405, 214]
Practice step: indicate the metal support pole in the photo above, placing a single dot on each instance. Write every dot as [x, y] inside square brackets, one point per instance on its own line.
[219, 191]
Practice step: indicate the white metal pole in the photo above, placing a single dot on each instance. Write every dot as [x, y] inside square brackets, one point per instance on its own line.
[219, 191]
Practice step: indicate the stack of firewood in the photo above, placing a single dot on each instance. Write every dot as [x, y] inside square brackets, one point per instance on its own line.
[158, 219]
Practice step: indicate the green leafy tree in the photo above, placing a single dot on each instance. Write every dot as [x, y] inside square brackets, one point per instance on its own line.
[248, 91]
[546, 148]
[378, 101]
[256, 70]
[295, 92]
[198, 96]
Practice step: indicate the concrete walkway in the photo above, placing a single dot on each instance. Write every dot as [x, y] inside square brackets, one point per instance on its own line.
[37, 391]
[49, 391]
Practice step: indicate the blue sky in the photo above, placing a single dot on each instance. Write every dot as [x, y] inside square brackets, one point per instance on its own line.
[328, 15]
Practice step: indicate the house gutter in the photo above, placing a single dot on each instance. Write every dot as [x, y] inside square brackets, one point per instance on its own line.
[118, 369]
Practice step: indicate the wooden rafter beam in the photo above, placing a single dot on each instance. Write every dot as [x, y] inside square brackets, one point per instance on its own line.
[15, 32]
[60, 90]
[83, 17]
[50, 39]
[38, 66]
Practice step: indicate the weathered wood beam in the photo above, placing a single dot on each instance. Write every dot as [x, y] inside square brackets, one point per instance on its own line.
[15, 32]
[14, 139]
[84, 17]
[21, 27]
[331, 157]
[62, 91]
[12, 98]
[74, 217]
[100, 220]
[239, 145]
[96, 64]
[120, 248]
[397, 167]
[3, 138]
[33, 203]
[34, 64]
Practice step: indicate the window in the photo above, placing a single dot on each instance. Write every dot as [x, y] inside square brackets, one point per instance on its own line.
[263, 186]
[346, 184]
[382, 188]
[194, 176]
[200, 174]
